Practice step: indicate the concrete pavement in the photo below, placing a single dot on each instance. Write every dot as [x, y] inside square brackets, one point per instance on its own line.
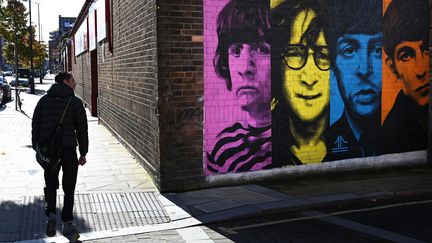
[117, 201]
[110, 171]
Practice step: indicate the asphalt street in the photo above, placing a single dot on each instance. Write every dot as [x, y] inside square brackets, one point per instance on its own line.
[398, 222]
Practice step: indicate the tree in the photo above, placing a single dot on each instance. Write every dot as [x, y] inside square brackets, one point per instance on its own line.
[39, 53]
[55, 35]
[13, 25]
[14, 30]
[1, 11]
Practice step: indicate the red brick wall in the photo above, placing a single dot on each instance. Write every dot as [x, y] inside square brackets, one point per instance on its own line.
[127, 81]
[180, 55]
[81, 73]
[165, 134]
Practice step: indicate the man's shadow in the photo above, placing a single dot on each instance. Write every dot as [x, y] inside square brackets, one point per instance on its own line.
[24, 219]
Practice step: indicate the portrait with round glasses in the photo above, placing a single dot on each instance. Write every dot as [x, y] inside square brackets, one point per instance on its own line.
[301, 82]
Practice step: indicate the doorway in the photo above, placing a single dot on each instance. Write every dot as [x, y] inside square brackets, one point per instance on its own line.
[94, 82]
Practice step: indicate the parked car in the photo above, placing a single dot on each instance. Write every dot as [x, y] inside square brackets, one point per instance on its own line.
[23, 77]
[6, 90]
[24, 72]
[21, 82]
[7, 73]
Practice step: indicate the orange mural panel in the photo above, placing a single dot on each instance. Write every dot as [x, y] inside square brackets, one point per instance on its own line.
[385, 4]
[390, 86]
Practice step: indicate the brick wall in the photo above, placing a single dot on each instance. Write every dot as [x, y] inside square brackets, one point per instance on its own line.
[151, 88]
[81, 73]
[180, 46]
[127, 81]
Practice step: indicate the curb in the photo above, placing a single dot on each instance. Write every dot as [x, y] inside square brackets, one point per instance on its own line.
[374, 199]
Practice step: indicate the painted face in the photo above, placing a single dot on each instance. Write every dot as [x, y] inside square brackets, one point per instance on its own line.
[358, 62]
[250, 70]
[305, 71]
[411, 62]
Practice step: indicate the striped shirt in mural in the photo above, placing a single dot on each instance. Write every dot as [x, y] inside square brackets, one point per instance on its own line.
[241, 148]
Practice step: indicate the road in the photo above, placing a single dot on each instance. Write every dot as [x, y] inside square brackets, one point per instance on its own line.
[28, 100]
[398, 222]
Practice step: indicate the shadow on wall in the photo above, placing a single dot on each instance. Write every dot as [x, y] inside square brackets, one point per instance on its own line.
[25, 219]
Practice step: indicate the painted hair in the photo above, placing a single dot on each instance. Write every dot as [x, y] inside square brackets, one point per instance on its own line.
[240, 21]
[405, 20]
[353, 17]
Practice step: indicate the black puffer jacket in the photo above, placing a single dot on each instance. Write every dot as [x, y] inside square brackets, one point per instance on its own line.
[48, 112]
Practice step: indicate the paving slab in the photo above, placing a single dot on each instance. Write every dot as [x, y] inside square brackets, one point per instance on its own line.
[22, 178]
[193, 234]
[249, 197]
[219, 205]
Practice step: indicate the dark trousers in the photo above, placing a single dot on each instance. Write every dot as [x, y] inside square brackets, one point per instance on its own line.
[69, 165]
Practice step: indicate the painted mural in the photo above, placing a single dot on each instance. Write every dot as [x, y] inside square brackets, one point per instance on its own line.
[357, 66]
[241, 88]
[298, 82]
[406, 43]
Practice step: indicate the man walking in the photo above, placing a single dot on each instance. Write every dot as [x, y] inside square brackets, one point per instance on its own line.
[74, 132]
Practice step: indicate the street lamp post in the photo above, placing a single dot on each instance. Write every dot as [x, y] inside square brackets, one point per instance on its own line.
[32, 84]
[39, 28]
[16, 72]
[39, 31]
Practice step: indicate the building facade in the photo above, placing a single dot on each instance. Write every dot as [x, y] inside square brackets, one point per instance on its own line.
[216, 92]
[56, 60]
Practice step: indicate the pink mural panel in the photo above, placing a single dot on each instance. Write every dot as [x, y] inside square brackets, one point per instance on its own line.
[237, 116]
